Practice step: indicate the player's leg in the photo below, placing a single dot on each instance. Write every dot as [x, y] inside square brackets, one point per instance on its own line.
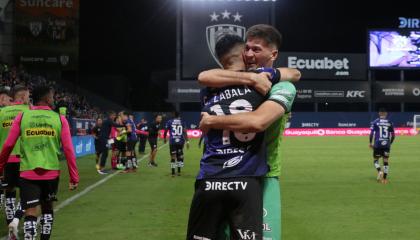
[172, 153]
[272, 209]
[114, 157]
[48, 196]
[376, 155]
[11, 178]
[180, 158]
[207, 211]
[386, 165]
[153, 152]
[30, 195]
[104, 157]
[142, 145]
[246, 209]
[132, 149]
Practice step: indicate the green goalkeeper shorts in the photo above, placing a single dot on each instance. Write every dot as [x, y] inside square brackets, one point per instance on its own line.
[272, 211]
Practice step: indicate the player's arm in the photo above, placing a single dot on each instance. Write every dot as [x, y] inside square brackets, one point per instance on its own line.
[219, 78]
[185, 133]
[276, 106]
[372, 133]
[392, 132]
[289, 74]
[68, 150]
[165, 133]
[129, 128]
[10, 142]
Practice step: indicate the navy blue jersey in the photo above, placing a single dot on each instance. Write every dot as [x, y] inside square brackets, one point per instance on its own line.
[176, 129]
[132, 136]
[233, 154]
[382, 130]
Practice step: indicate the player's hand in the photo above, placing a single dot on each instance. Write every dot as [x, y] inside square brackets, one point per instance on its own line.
[262, 83]
[370, 146]
[164, 140]
[204, 123]
[73, 186]
[188, 145]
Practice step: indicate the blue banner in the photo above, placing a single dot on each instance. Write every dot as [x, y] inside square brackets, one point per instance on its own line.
[83, 145]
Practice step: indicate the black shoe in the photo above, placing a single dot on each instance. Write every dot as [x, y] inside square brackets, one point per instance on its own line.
[154, 164]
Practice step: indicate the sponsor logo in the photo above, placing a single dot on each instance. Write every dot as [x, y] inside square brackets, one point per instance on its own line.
[416, 92]
[409, 22]
[347, 124]
[265, 212]
[266, 227]
[7, 124]
[225, 186]
[200, 238]
[88, 146]
[232, 162]
[33, 201]
[217, 31]
[64, 60]
[247, 234]
[39, 147]
[79, 147]
[341, 65]
[310, 124]
[46, 3]
[36, 132]
[36, 28]
[355, 94]
[393, 91]
[326, 94]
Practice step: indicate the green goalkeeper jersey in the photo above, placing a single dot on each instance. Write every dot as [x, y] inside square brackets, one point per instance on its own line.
[284, 94]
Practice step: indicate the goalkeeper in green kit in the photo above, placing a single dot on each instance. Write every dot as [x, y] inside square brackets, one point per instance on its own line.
[262, 44]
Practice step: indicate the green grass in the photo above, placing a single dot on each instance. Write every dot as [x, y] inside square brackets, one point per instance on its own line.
[329, 191]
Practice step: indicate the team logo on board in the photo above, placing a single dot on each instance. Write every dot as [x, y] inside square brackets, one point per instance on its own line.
[36, 28]
[223, 26]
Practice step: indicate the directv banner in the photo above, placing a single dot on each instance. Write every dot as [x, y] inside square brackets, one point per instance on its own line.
[312, 91]
[397, 91]
[205, 22]
[184, 91]
[83, 145]
[325, 65]
[47, 33]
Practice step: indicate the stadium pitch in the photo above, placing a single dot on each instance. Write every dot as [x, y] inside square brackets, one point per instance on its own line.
[329, 191]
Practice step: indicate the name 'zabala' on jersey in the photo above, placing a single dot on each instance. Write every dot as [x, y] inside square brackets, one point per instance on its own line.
[231, 93]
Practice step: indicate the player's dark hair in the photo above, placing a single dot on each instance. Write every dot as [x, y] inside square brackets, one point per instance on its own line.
[110, 113]
[156, 115]
[40, 92]
[226, 44]
[266, 32]
[382, 109]
[176, 114]
[18, 88]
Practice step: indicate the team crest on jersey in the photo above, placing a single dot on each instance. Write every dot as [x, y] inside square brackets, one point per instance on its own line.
[232, 162]
[217, 31]
[36, 28]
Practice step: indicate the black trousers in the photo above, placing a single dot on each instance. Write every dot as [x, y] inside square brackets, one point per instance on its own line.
[142, 143]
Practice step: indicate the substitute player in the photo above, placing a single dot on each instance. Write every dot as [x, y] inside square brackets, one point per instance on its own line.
[153, 130]
[383, 135]
[96, 132]
[228, 188]
[142, 126]
[42, 133]
[263, 42]
[11, 171]
[177, 138]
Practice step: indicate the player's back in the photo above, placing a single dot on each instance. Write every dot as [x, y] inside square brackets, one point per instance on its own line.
[233, 154]
[383, 130]
[176, 131]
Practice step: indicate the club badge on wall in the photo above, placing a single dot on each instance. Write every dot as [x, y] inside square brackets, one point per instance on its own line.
[36, 28]
[223, 27]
